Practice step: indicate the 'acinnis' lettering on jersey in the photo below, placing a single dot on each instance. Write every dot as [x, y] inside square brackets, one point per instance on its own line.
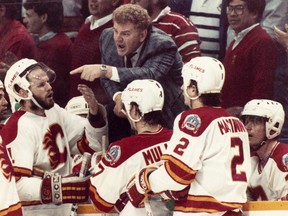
[231, 125]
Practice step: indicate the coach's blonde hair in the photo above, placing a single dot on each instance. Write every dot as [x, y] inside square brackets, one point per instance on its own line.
[134, 14]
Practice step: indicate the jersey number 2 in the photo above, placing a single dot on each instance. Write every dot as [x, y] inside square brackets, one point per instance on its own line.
[237, 159]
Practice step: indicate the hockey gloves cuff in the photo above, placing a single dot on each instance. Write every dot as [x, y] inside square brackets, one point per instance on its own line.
[57, 189]
[175, 195]
[139, 187]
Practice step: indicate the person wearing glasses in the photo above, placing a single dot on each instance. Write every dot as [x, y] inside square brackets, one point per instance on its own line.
[263, 120]
[250, 60]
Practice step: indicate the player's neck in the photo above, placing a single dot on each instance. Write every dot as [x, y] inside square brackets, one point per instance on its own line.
[146, 128]
[267, 149]
[29, 107]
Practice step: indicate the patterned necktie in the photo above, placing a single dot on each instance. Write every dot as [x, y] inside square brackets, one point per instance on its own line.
[128, 60]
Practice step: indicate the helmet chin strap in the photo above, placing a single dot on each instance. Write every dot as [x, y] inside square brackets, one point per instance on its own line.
[259, 145]
[36, 103]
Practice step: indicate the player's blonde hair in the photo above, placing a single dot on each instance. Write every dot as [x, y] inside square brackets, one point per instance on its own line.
[134, 14]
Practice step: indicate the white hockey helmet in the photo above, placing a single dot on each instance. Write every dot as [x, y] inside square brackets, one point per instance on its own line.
[269, 109]
[17, 75]
[1, 85]
[77, 105]
[147, 94]
[208, 72]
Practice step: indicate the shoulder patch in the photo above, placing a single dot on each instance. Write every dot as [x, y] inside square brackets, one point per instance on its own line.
[285, 161]
[191, 122]
[113, 155]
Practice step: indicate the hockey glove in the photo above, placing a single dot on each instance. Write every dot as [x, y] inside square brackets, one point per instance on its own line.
[96, 158]
[138, 188]
[175, 195]
[57, 189]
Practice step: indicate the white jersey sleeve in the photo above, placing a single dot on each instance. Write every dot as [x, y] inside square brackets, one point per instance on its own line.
[269, 179]
[208, 151]
[46, 143]
[123, 159]
[9, 200]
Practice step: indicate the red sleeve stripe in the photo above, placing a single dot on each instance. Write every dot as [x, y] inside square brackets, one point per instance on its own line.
[204, 204]
[179, 171]
[99, 204]
[13, 210]
[21, 171]
[83, 145]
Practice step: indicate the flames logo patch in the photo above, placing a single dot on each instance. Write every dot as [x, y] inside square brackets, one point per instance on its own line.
[5, 164]
[50, 143]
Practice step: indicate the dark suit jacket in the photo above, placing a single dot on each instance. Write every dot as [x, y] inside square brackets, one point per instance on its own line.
[159, 60]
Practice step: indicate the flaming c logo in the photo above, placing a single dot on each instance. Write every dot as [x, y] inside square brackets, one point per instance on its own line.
[50, 143]
[5, 164]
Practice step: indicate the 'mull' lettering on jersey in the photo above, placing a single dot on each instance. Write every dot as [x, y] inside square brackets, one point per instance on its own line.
[231, 126]
[152, 155]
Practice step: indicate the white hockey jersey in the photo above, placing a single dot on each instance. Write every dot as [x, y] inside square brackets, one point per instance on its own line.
[46, 143]
[209, 150]
[9, 200]
[122, 160]
[269, 181]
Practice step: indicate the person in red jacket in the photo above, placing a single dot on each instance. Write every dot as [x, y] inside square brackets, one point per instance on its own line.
[15, 40]
[45, 18]
[86, 44]
[179, 27]
[250, 60]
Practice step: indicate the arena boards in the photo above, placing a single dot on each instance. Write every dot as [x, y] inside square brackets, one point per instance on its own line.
[265, 208]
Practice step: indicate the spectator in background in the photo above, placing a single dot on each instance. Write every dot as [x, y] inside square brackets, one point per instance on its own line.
[250, 68]
[276, 15]
[73, 17]
[263, 120]
[282, 36]
[15, 40]
[138, 51]
[209, 16]
[180, 28]
[86, 47]
[44, 18]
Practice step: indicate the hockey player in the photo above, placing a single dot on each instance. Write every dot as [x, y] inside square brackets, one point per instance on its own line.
[78, 106]
[263, 120]
[208, 151]
[3, 103]
[143, 102]
[41, 136]
[9, 205]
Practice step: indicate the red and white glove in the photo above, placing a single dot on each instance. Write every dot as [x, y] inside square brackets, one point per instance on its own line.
[95, 159]
[138, 188]
[175, 195]
[57, 189]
